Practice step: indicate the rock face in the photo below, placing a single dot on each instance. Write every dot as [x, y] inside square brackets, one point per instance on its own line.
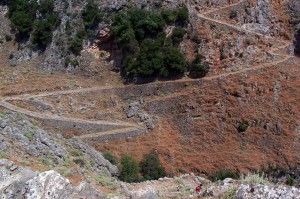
[20, 182]
[21, 138]
[268, 192]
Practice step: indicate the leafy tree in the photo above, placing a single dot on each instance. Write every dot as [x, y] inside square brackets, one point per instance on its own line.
[23, 23]
[46, 8]
[42, 34]
[91, 15]
[151, 167]
[199, 67]
[174, 62]
[182, 15]
[122, 28]
[169, 15]
[177, 35]
[110, 157]
[75, 44]
[129, 169]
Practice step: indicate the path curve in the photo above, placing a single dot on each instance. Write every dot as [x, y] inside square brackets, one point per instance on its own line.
[129, 126]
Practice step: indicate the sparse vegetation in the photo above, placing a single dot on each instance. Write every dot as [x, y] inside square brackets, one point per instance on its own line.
[75, 152]
[110, 157]
[64, 171]
[225, 173]
[106, 181]
[230, 193]
[2, 154]
[251, 178]
[29, 135]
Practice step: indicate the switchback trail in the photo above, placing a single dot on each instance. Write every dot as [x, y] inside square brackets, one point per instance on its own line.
[129, 126]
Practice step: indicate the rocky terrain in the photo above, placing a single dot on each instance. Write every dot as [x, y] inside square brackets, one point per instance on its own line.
[57, 119]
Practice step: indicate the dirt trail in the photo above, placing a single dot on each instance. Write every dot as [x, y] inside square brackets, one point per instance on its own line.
[272, 51]
[60, 118]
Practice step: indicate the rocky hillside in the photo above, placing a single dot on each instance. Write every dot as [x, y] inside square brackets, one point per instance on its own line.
[224, 94]
[22, 182]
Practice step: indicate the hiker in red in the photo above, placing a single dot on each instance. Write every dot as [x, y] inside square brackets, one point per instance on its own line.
[198, 189]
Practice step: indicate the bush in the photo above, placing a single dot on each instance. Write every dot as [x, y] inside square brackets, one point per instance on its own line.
[177, 35]
[23, 23]
[106, 181]
[75, 44]
[233, 14]
[169, 15]
[182, 15]
[147, 50]
[291, 181]
[225, 173]
[91, 15]
[42, 35]
[255, 179]
[196, 39]
[174, 62]
[243, 126]
[129, 169]
[8, 38]
[24, 18]
[110, 157]
[151, 167]
[199, 68]
[230, 193]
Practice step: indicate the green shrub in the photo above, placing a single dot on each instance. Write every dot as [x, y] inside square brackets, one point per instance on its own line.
[8, 38]
[129, 169]
[225, 173]
[23, 15]
[243, 126]
[255, 179]
[177, 35]
[291, 181]
[182, 15]
[29, 135]
[151, 167]
[22, 22]
[75, 152]
[106, 181]
[233, 14]
[2, 155]
[64, 171]
[196, 39]
[169, 15]
[42, 35]
[199, 67]
[174, 62]
[110, 157]
[11, 56]
[75, 44]
[147, 50]
[230, 193]
[91, 15]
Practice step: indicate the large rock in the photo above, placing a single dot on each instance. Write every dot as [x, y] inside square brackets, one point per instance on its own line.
[19, 182]
[267, 192]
